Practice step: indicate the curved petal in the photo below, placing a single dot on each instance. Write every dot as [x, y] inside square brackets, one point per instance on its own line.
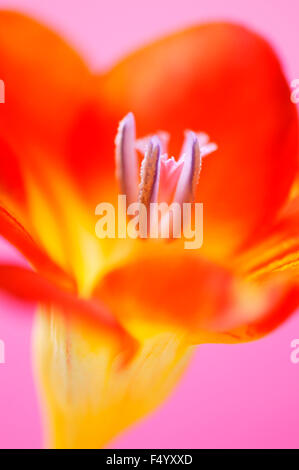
[182, 292]
[16, 234]
[222, 79]
[273, 261]
[277, 251]
[283, 301]
[32, 287]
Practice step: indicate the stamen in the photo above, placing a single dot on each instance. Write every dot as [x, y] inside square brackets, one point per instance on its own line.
[188, 180]
[163, 179]
[195, 147]
[202, 137]
[150, 173]
[126, 158]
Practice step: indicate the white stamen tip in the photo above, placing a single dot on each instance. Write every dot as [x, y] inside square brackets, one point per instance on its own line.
[126, 159]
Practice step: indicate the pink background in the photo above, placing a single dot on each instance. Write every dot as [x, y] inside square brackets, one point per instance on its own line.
[231, 396]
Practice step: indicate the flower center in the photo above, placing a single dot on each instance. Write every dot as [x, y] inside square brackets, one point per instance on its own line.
[162, 179]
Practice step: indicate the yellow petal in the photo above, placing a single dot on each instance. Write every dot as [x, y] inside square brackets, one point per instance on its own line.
[88, 394]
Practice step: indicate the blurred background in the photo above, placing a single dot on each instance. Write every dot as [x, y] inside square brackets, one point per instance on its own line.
[231, 396]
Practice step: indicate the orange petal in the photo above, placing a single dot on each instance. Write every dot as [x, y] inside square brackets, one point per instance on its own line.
[186, 293]
[224, 80]
[32, 287]
[51, 113]
[44, 80]
[166, 290]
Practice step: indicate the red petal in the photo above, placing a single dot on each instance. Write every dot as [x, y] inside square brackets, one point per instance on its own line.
[277, 251]
[16, 234]
[52, 115]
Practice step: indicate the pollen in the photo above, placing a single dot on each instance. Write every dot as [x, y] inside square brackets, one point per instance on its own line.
[150, 173]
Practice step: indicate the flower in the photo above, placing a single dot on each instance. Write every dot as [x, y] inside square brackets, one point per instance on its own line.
[117, 318]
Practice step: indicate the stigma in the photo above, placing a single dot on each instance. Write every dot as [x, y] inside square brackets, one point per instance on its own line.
[160, 178]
